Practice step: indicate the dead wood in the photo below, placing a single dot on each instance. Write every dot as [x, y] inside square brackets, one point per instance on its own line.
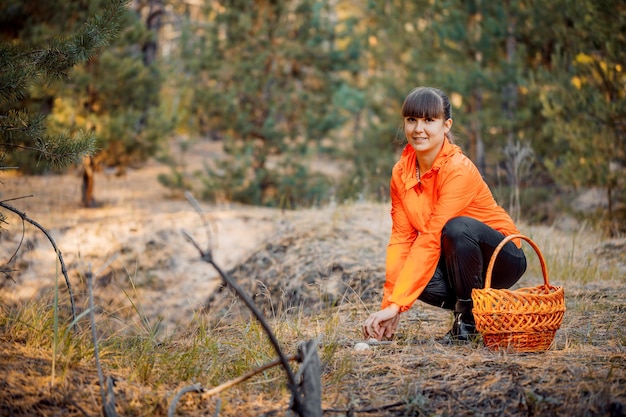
[25, 218]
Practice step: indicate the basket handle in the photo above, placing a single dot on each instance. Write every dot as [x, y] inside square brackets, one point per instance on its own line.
[507, 239]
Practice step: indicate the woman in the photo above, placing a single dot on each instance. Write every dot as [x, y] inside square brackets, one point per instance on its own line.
[445, 225]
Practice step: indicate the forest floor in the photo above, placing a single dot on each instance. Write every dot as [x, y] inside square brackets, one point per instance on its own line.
[307, 266]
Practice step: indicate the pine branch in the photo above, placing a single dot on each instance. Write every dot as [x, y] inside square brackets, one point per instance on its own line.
[16, 125]
[24, 65]
[65, 150]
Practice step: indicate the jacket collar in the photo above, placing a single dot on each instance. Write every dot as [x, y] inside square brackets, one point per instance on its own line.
[409, 161]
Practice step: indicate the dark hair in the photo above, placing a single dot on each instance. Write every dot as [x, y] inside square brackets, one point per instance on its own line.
[427, 102]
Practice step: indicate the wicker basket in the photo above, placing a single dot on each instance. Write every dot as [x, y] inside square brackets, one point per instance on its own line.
[523, 320]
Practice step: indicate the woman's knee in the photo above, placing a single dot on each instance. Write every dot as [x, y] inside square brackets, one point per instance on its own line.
[456, 230]
[437, 292]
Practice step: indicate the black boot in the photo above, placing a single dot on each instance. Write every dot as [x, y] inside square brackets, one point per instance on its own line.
[464, 328]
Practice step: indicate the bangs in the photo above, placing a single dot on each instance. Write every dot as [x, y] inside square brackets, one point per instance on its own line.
[423, 103]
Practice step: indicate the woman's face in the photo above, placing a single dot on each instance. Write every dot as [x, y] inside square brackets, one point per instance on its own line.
[425, 134]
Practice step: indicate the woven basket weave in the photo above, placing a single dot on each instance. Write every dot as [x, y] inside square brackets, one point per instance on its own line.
[522, 320]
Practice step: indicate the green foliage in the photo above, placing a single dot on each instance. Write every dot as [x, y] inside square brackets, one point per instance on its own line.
[270, 80]
[287, 185]
[583, 98]
[117, 96]
[30, 58]
[293, 79]
[297, 186]
[284, 82]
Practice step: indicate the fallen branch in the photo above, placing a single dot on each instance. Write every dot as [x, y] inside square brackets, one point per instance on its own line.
[222, 387]
[189, 388]
[25, 218]
[245, 377]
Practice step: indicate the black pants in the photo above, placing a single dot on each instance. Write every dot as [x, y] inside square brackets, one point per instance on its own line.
[466, 248]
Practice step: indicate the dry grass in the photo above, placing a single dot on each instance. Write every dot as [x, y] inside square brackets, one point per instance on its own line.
[316, 274]
[584, 373]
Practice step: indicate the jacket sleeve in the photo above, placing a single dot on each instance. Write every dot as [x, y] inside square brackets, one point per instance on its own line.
[403, 235]
[457, 187]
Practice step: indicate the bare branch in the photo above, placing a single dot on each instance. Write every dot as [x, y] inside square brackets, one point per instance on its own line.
[247, 376]
[208, 257]
[56, 249]
[222, 387]
[309, 355]
[19, 245]
[189, 388]
[18, 198]
[205, 222]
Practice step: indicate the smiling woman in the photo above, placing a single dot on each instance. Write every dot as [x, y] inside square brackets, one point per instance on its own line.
[427, 121]
[446, 225]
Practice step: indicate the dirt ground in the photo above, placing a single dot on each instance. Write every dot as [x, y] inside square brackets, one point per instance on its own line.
[306, 260]
[135, 235]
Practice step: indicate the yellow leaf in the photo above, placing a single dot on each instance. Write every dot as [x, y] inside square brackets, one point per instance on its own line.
[584, 58]
[456, 99]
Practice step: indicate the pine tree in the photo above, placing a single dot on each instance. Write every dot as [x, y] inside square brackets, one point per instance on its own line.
[117, 96]
[114, 97]
[41, 61]
[386, 34]
[270, 80]
[583, 93]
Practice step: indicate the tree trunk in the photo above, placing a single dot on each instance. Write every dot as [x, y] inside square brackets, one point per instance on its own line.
[153, 24]
[89, 169]
[477, 148]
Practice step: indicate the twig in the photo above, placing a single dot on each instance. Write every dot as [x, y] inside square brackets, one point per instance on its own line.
[7, 274]
[189, 388]
[19, 245]
[350, 411]
[247, 376]
[222, 387]
[108, 399]
[218, 406]
[208, 257]
[56, 249]
[18, 198]
[205, 221]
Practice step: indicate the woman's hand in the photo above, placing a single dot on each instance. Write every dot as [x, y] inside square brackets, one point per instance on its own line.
[383, 323]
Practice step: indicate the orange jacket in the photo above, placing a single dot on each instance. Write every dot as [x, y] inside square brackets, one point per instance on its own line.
[452, 187]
